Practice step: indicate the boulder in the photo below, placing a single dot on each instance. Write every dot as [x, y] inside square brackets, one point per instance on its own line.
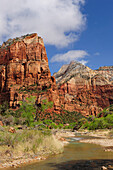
[1, 123]
[12, 130]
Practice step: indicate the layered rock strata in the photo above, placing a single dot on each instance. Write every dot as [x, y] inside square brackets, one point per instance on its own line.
[24, 71]
[85, 90]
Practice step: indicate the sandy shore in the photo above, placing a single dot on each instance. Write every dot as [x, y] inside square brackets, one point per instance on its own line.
[95, 133]
[102, 138]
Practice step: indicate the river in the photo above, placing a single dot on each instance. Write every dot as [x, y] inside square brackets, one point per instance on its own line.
[76, 156]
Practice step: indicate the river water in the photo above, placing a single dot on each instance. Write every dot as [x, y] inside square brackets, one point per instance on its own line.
[76, 156]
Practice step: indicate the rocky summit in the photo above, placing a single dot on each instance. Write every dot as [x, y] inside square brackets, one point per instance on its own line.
[85, 90]
[24, 71]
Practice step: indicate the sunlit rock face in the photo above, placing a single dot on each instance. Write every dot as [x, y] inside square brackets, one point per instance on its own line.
[24, 71]
[85, 90]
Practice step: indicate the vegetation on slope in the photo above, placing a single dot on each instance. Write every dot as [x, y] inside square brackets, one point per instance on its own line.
[42, 117]
[104, 120]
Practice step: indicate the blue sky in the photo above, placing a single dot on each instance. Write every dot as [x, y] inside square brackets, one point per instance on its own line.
[97, 38]
[79, 30]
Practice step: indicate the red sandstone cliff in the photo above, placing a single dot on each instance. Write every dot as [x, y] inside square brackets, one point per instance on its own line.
[24, 71]
[85, 90]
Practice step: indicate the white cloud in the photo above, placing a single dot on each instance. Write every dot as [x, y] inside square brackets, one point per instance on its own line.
[83, 62]
[70, 55]
[59, 22]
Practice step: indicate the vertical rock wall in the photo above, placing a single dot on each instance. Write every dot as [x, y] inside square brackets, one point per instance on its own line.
[24, 71]
[85, 90]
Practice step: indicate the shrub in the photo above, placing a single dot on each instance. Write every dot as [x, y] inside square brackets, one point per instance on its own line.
[47, 121]
[60, 126]
[91, 118]
[106, 113]
[54, 126]
[82, 121]
[109, 118]
[99, 115]
[85, 125]
[27, 110]
[3, 108]
[93, 126]
[98, 123]
[72, 125]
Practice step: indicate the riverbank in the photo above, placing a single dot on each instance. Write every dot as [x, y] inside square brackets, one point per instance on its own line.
[103, 138]
[53, 143]
[49, 143]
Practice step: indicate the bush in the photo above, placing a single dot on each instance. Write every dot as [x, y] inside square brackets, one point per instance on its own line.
[72, 125]
[60, 126]
[109, 119]
[91, 118]
[47, 121]
[85, 125]
[27, 110]
[54, 126]
[106, 113]
[98, 123]
[82, 121]
[99, 115]
[3, 108]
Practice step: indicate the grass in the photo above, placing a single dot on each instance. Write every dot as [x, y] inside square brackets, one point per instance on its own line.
[27, 143]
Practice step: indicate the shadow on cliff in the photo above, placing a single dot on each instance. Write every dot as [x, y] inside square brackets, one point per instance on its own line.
[84, 164]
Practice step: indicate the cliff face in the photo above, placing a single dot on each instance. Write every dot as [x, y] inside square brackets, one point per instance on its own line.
[83, 89]
[24, 71]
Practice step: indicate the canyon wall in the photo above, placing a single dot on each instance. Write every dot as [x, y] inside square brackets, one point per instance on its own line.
[24, 71]
[85, 90]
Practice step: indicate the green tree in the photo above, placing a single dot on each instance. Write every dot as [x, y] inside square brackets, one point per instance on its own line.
[28, 110]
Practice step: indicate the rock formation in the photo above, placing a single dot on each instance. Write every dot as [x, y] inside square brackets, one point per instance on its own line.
[85, 90]
[24, 71]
